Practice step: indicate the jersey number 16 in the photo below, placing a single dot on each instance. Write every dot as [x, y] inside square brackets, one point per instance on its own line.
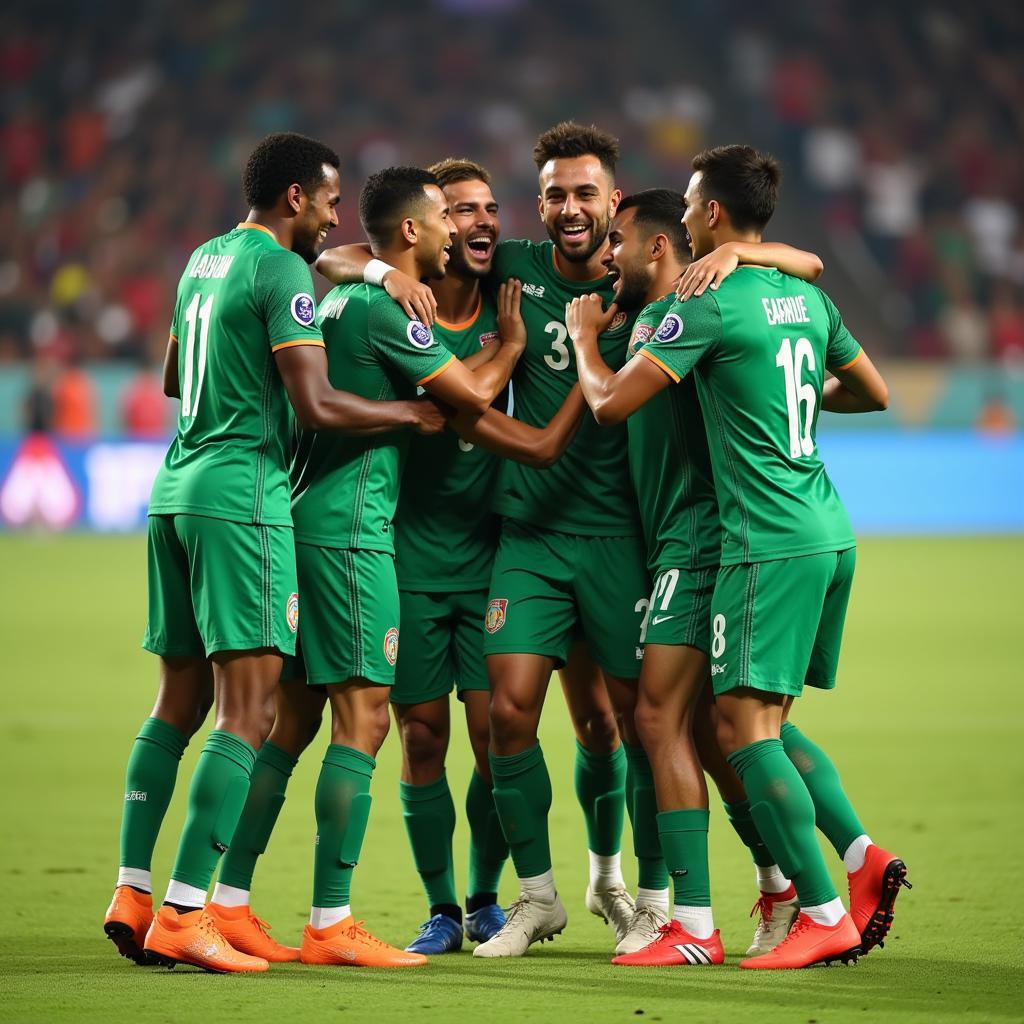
[791, 360]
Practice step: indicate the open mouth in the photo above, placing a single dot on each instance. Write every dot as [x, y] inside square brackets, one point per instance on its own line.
[480, 247]
[615, 278]
[573, 232]
[447, 252]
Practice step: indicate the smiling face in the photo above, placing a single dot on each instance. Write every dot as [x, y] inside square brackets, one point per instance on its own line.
[628, 261]
[474, 212]
[316, 215]
[576, 203]
[435, 234]
[695, 219]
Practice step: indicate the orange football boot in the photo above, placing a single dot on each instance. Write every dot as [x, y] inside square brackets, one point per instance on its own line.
[808, 944]
[248, 934]
[348, 945]
[128, 919]
[873, 890]
[194, 938]
[676, 947]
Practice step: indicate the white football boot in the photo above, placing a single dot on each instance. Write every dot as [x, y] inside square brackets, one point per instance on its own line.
[644, 928]
[778, 913]
[527, 921]
[614, 906]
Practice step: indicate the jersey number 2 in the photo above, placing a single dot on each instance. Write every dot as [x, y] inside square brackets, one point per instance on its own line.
[195, 311]
[791, 360]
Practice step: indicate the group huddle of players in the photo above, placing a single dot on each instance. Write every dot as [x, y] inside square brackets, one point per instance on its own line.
[478, 462]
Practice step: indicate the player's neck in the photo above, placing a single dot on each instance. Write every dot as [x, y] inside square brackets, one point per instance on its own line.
[665, 281]
[279, 227]
[458, 297]
[590, 270]
[401, 259]
[729, 234]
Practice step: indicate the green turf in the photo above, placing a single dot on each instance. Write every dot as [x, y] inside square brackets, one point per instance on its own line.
[925, 725]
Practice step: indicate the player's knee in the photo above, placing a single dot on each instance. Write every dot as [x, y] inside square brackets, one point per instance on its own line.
[650, 723]
[726, 735]
[423, 745]
[511, 722]
[599, 731]
[377, 725]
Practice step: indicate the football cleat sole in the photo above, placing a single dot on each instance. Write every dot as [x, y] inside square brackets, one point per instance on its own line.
[877, 928]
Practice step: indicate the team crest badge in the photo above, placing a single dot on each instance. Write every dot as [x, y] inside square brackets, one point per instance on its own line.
[617, 321]
[292, 612]
[488, 338]
[303, 309]
[670, 328]
[419, 335]
[391, 645]
[494, 618]
[641, 336]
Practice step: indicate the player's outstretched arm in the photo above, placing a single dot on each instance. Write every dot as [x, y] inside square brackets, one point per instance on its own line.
[713, 269]
[612, 397]
[346, 264]
[172, 388]
[858, 387]
[539, 447]
[319, 406]
[511, 328]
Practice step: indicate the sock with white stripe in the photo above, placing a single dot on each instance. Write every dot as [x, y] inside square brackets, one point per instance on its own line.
[325, 917]
[698, 921]
[539, 887]
[229, 896]
[771, 879]
[828, 914]
[856, 852]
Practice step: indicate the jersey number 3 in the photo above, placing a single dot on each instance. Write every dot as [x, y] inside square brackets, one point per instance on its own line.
[194, 312]
[791, 361]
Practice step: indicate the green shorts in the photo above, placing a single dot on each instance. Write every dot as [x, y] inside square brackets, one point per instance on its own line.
[215, 585]
[680, 608]
[443, 645]
[547, 586]
[777, 626]
[350, 616]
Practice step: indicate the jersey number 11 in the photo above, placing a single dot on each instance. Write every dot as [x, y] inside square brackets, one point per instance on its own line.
[195, 311]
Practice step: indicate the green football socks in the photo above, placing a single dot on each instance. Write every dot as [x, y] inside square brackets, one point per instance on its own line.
[488, 848]
[743, 823]
[601, 790]
[267, 787]
[833, 811]
[215, 800]
[429, 815]
[148, 785]
[783, 811]
[643, 816]
[522, 795]
[684, 844]
[342, 811]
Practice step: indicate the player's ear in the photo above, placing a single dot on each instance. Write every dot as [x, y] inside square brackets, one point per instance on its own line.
[714, 213]
[408, 230]
[293, 195]
[658, 247]
[613, 201]
[540, 206]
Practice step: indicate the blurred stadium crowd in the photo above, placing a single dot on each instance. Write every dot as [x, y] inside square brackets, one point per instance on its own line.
[123, 129]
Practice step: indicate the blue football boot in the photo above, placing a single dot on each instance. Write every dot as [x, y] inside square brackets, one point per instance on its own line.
[485, 923]
[438, 935]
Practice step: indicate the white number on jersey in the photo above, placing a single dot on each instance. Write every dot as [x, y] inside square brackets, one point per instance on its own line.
[792, 363]
[560, 360]
[190, 404]
[718, 636]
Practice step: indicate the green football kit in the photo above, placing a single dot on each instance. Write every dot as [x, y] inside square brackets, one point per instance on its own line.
[221, 556]
[445, 539]
[671, 470]
[345, 489]
[573, 528]
[760, 346]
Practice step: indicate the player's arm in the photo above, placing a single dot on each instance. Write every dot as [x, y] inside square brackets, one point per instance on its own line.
[539, 447]
[172, 388]
[612, 397]
[713, 269]
[857, 387]
[345, 264]
[319, 406]
[511, 328]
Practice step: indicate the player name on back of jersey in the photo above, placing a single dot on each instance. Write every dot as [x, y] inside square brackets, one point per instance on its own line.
[786, 309]
[211, 265]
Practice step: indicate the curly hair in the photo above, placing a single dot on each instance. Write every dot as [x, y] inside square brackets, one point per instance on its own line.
[744, 180]
[388, 197]
[452, 170]
[568, 139]
[283, 159]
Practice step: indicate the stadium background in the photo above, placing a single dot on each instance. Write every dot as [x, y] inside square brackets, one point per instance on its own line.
[123, 130]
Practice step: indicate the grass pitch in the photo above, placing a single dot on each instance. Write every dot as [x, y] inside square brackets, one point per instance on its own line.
[925, 726]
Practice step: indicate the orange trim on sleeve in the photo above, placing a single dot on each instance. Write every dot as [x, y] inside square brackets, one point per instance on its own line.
[296, 342]
[430, 376]
[172, 336]
[855, 359]
[251, 226]
[462, 324]
[661, 366]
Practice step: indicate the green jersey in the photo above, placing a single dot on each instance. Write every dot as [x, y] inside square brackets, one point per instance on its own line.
[242, 298]
[588, 491]
[344, 489]
[761, 344]
[445, 532]
[671, 468]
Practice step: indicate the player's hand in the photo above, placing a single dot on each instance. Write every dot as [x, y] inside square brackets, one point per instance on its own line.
[510, 320]
[708, 271]
[587, 314]
[430, 418]
[415, 298]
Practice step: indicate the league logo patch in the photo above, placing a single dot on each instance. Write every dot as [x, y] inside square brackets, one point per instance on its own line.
[489, 338]
[391, 645]
[291, 612]
[303, 309]
[617, 321]
[670, 328]
[419, 335]
[641, 336]
[494, 618]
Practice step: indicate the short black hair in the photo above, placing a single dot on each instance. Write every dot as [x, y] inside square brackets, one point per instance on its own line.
[744, 180]
[388, 197]
[283, 159]
[568, 139]
[452, 170]
[661, 210]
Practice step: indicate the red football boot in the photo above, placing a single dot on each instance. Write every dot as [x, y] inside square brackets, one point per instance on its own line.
[808, 944]
[676, 947]
[873, 891]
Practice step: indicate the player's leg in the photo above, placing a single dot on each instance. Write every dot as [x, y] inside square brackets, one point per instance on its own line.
[243, 587]
[299, 709]
[350, 645]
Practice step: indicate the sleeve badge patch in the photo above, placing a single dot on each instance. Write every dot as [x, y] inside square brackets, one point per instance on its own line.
[670, 328]
[494, 618]
[391, 645]
[292, 612]
[641, 336]
[617, 321]
[303, 309]
[488, 338]
[419, 335]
